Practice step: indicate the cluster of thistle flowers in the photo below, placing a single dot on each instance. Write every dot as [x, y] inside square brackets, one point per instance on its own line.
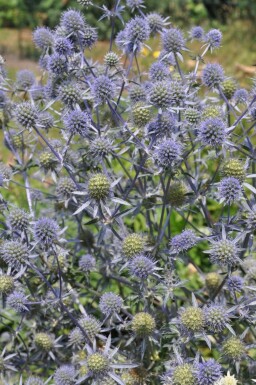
[138, 183]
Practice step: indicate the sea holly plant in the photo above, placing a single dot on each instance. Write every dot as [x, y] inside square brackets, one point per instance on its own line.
[128, 210]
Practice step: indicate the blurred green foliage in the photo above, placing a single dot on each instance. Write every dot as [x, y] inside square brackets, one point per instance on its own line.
[30, 13]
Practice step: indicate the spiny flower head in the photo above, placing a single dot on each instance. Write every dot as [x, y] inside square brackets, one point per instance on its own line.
[183, 241]
[211, 111]
[178, 93]
[192, 115]
[156, 22]
[65, 375]
[110, 303]
[183, 375]
[137, 30]
[213, 38]
[18, 219]
[57, 64]
[133, 245]
[141, 114]
[196, 33]
[168, 153]
[212, 281]
[47, 161]
[6, 284]
[63, 46]
[192, 318]
[76, 337]
[208, 372]
[241, 95]
[212, 132]
[142, 266]
[234, 168]
[73, 21]
[25, 79]
[46, 231]
[233, 348]
[227, 380]
[43, 38]
[77, 122]
[173, 40]
[88, 38]
[98, 364]
[26, 114]
[230, 190]
[229, 87]
[159, 71]
[176, 195]
[90, 325]
[111, 59]
[143, 324]
[100, 147]
[216, 318]
[133, 4]
[43, 341]
[235, 283]
[87, 263]
[137, 93]
[160, 94]
[224, 252]
[14, 253]
[17, 300]
[70, 94]
[34, 380]
[98, 187]
[103, 89]
[5, 171]
[65, 187]
[212, 75]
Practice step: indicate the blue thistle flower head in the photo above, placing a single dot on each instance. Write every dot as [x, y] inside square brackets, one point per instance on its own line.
[216, 318]
[224, 252]
[159, 71]
[212, 75]
[235, 283]
[14, 253]
[65, 375]
[196, 33]
[87, 263]
[173, 40]
[57, 64]
[230, 190]
[17, 300]
[160, 94]
[156, 22]
[77, 122]
[46, 231]
[88, 38]
[25, 79]
[26, 114]
[183, 241]
[103, 89]
[43, 38]
[34, 380]
[73, 21]
[164, 124]
[142, 266]
[241, 95]
[213, 38]
[137, 30]
[168, 153]
[167, 58]
[134, 4]
[212, 132]
[110, 303]
[63, 46]
[208, 372]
